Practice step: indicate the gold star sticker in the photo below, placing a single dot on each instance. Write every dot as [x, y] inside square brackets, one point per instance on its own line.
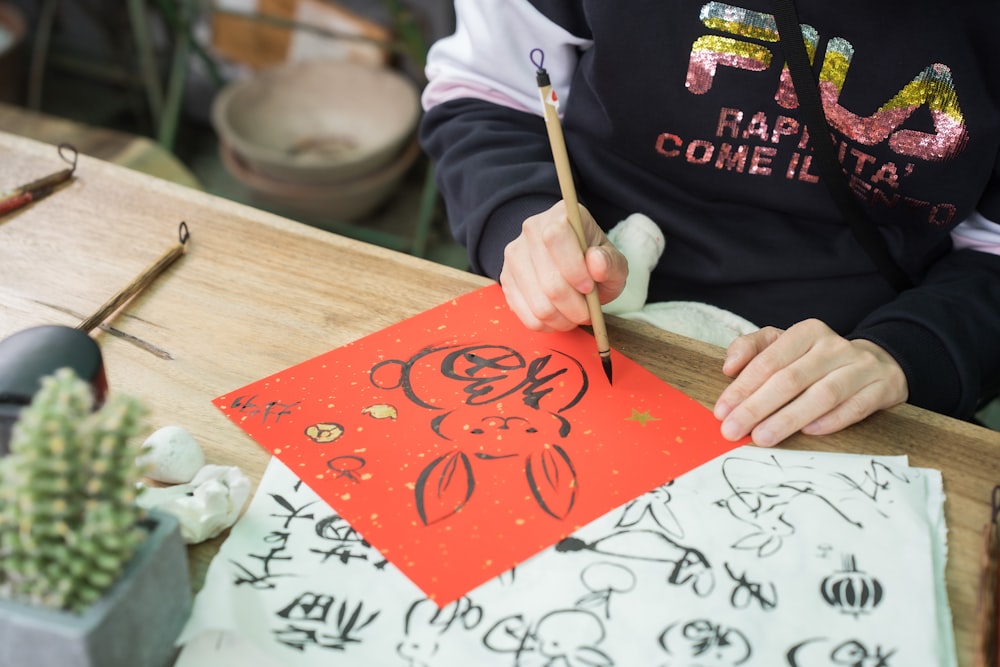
[641, 417]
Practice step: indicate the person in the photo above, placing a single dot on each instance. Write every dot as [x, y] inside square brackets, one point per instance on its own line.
[685, 112]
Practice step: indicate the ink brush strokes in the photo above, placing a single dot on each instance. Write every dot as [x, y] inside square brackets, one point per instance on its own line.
[460, 443]
[759, 558]
[550, 109]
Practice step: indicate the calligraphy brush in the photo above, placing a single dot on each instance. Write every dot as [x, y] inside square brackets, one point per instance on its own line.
[568, 189]
[139, 282]
[41, 187]
[986, 652]
[14, 201]
[28, 355]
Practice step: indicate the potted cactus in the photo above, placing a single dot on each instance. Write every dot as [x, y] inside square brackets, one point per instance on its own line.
[87, 578]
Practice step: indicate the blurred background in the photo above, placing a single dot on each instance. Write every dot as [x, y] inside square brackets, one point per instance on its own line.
[319, 102]
[306, 108]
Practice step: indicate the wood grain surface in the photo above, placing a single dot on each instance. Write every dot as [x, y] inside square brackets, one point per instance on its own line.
[256, 293]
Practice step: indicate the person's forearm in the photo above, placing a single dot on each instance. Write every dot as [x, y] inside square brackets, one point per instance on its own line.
[944, 333]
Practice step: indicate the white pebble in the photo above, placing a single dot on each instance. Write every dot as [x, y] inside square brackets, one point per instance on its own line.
[171, 455]
[207, 505]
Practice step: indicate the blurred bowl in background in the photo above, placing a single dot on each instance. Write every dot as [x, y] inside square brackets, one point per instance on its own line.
[317, 121]
[327, 202]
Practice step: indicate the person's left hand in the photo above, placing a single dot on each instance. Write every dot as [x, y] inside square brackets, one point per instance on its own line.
[807, 379]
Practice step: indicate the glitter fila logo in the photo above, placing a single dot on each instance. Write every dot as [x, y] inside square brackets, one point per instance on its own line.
[743, 44]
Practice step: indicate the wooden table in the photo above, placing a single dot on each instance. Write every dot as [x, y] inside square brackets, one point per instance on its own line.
[257, 293]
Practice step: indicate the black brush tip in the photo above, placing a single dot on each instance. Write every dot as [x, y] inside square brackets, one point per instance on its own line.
[606, 362]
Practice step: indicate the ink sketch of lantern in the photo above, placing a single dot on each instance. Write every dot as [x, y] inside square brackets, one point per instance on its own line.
[852, 591]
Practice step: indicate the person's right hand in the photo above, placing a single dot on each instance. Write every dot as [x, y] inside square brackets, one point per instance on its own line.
[545, 275]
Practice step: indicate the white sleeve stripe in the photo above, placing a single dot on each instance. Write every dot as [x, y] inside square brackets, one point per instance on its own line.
[977, 233]
[489, 55]
[433, 96]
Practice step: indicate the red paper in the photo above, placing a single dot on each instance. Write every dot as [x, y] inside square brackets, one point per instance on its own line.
[459, 443]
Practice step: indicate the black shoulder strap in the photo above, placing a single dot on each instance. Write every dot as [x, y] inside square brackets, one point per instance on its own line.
[807, 91]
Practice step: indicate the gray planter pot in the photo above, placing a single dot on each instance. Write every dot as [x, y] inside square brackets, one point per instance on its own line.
[134, 625]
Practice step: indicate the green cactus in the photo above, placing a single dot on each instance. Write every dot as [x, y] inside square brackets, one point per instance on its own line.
[68, 518]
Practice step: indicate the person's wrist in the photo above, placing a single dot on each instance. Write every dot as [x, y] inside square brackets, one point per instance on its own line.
[892, 372]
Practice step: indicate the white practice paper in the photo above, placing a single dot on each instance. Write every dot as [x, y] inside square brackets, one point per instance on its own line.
[760, 557]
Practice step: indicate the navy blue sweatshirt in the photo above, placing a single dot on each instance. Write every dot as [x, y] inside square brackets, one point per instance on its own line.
[685, 112]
